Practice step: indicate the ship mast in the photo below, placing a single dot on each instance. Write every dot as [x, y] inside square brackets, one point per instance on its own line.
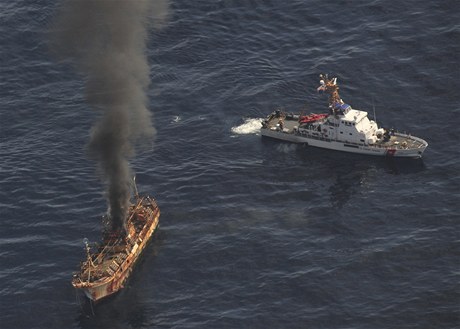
[330, 87]
[88, 257]
[136, 193]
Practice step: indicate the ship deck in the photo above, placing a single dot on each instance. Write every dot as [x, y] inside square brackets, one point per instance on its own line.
[102, 264]
[396, 140]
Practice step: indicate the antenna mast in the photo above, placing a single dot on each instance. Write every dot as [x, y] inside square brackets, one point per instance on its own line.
[373, 106]
[135, 188]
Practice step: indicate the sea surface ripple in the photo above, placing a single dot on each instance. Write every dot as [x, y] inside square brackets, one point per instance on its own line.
[254, 233]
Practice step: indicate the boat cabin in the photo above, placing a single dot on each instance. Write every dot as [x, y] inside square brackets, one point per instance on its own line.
[350, 125]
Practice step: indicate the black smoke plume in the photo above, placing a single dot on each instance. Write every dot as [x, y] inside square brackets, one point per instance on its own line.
[106, 40]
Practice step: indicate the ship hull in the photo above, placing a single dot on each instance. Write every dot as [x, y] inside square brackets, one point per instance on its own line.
[116, 283]
[109, 285]
[343, 146]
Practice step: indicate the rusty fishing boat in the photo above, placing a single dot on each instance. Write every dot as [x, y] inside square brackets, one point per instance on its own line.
[108, 265]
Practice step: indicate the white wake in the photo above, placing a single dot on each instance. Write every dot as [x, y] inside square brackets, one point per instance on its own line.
[249, 126]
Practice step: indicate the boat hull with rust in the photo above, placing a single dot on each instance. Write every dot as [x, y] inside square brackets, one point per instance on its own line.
[106, 270]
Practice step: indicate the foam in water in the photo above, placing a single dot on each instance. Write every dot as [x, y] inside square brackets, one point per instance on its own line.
[250, 126]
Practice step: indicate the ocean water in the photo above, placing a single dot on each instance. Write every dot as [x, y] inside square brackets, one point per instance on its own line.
[254, 233]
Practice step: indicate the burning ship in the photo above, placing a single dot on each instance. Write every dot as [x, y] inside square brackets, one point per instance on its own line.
[109, 265]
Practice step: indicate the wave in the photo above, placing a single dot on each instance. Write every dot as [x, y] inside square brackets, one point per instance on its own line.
[250, 126]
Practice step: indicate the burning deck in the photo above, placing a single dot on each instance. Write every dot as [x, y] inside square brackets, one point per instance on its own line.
[107, 268]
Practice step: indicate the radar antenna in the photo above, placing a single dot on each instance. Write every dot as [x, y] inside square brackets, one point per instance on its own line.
[330, 87]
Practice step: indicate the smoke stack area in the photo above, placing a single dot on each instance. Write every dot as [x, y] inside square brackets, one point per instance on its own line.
[107, 43]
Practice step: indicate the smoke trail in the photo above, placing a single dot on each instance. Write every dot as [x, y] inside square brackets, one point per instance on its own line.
[106, 40]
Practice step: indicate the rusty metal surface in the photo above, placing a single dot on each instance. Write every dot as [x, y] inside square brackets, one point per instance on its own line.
[106, 269]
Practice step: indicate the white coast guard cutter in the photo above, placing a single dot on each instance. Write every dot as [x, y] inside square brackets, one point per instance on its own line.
[343, 128]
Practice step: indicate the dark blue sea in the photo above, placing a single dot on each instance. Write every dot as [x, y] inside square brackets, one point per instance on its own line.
[254, 233]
